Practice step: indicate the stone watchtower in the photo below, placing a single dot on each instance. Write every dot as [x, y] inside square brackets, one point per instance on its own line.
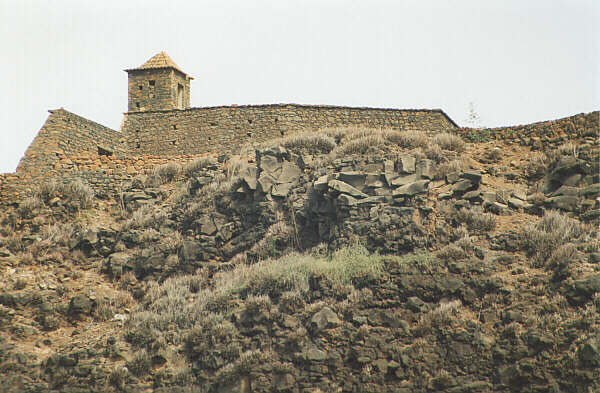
[158, 85]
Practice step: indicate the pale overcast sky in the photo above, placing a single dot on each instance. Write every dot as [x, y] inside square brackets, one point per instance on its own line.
[517, 61]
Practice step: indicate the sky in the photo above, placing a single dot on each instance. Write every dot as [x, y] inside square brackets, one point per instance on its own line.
[516, 61]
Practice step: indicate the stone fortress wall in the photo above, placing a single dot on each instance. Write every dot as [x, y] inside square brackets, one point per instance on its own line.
[160, 127]
[583, 124]
[65, 133]
[228, 128]
[69, 146]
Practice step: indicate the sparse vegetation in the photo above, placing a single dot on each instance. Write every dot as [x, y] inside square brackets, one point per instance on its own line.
[311, 142]
[167, 172]
[476, 220]
[449, 141]
[553, 230]
[197, 165]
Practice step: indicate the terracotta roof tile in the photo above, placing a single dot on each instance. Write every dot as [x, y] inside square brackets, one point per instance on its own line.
[160, 60]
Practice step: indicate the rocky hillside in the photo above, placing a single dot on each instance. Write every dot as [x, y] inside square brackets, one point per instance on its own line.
[343, 260]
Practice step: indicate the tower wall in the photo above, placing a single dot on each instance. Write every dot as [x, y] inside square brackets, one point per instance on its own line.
[157, 89]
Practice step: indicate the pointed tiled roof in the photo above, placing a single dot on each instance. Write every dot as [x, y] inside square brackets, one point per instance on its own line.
[160, 60]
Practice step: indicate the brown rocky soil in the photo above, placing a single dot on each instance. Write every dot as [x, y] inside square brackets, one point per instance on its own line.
[466, 268]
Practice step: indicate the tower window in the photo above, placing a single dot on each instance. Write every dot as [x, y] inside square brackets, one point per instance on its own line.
[140, 87]
[137, 105]
[180, 96]
[151, 83]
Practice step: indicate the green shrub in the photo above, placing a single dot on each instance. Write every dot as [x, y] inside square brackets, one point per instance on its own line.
[293, 271]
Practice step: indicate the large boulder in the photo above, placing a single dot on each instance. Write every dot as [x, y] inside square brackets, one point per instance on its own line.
[589, 353]
[425, 168]
[324, 319]
[81, 304]
[340, 187]
[411, 189]
[406, 164]
[290, 173]
[582, 290]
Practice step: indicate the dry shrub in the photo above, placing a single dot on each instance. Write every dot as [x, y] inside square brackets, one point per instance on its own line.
[198, 165]
[312, 142]
[140, 364]
[291, 301]
[454, 166]
[360, 145]
[561, 260]
[337, 133]
[476, 220]
[79, 195]
[449, 141]
[410, 139]
[257, 303]
[435, 153]
[536, 166]
[220, 186]
[278, 238]
[47, 190]
[167, 172]
[29, 206]
[568, 149]
[553, 230]
[145, 217]
[438, 318]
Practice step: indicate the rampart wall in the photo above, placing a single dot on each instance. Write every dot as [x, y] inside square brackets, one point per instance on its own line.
[106, 174]
[582, 124]
[69, 146]
[227, 129]
[68, 134]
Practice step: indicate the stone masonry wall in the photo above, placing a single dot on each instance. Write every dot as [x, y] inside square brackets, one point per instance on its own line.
[66, 133]
[227, 129]
[583, 124]
[106, 174]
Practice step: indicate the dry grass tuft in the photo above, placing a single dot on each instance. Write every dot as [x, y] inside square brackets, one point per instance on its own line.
[476, 220]
[197, 165]
[542, 238]
[312, 142]
[449, 141]
[167, 172]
